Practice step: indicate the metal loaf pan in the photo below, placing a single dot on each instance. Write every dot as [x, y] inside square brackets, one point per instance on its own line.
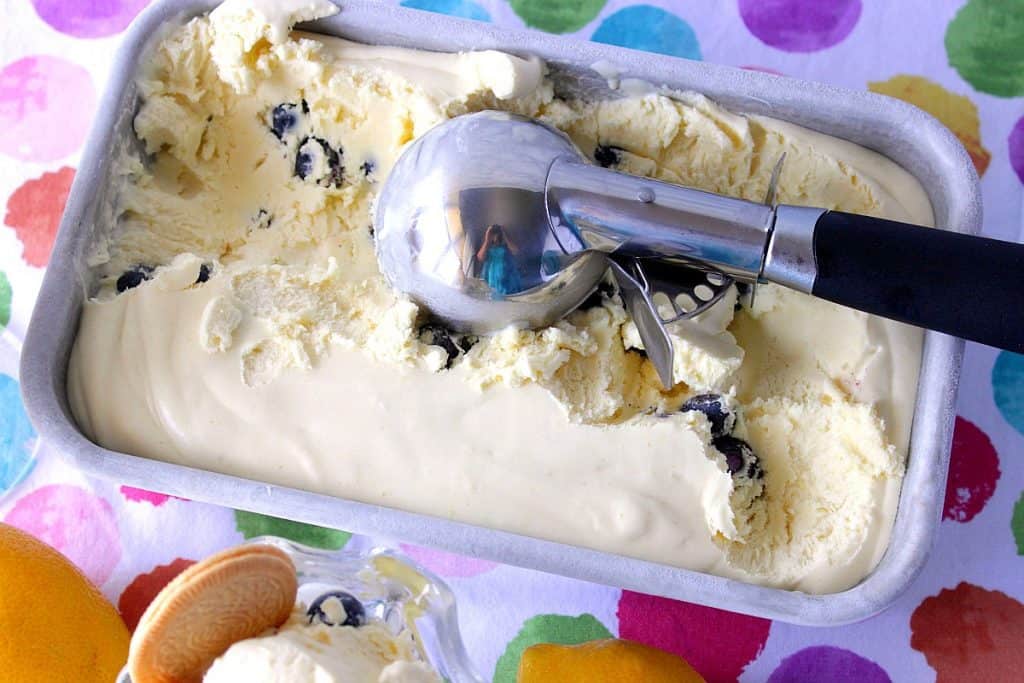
[903, 133]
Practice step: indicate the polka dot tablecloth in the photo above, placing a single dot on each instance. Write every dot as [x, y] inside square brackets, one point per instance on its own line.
[963, 619]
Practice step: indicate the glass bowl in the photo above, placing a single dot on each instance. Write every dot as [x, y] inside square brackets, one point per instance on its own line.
[396, 593]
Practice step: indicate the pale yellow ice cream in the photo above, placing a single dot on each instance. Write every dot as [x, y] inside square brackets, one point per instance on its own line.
[299, 652]
[293, 362]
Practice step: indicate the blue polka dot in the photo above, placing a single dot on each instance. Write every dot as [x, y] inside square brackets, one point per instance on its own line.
[643, 27]
[17, 438]
[1008, 388]
[456, 8]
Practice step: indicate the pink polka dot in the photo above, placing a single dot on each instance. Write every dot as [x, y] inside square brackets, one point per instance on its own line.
[447, 564]
[800, 25]
[77, 523]
[89, 18]
[143, 496]
[1016, 145]
[973, 472]
[718, 644]
[46, 106]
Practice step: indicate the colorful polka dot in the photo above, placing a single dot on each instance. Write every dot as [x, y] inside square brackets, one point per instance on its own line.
[970, 634]
[547, 628]
[826, 663]
[251, 524]
[455, 8]
[143, 588]
[800, 25]
[643, 27]
[956, 112]
[985, 44]
[89, 19]
[143, 496]
[557, 16]
[1008, 388]
[6, 293]
[447, 564]
[34, 211]
[1015, 144]
[46, 106]
[694, 632]
[973, 472]
[17, 437]
[77, 523]
[1017, 524]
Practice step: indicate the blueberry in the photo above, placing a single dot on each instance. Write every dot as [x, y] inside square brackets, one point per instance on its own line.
[133, 277]
[721, 418]
[316, 160]
[436, 335]
[367, 168]
[739, 456]
[467, 342]
[204, 274]
[605, 290]
[742, 288]
[608, 155]
[283, 118]
[262, 220]
[355, 613]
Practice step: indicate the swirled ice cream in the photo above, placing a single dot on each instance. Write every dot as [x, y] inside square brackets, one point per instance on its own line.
[242, 318]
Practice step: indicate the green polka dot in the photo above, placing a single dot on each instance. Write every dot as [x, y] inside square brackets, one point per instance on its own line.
[557, 16]
[547, 628]
[1017, 524]
[250, 525]
[5, 300]
[985, 44]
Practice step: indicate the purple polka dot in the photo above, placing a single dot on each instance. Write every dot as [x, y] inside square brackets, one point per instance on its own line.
[447, 564]
[89, 18]
[46, 106]
[800, 25]
[1016, 145]
[826, 663]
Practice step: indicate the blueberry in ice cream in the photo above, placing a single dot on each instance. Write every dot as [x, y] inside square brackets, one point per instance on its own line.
[607, 155]
[133, 277]
[739, 456]
[315, 160]
[284, 118]
[264, 150]
[337, 608]
[714, 408]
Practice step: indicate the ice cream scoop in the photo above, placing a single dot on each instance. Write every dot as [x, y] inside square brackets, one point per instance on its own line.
[493, 219]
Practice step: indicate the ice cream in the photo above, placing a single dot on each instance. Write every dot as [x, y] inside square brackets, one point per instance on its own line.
[241, 324]
[305, 650]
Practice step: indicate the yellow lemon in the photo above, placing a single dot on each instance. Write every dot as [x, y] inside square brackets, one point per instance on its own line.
[600, 661]
[54, 624]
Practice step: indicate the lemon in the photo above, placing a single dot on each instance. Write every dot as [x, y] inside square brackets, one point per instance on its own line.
[600, 661]
[54, 624]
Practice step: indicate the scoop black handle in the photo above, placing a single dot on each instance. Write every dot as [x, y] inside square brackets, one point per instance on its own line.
[970, 287]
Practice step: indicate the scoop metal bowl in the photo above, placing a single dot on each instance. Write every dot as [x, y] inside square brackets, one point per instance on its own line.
[462, 226]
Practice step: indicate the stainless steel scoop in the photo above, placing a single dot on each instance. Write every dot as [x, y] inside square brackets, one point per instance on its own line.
[492, 219]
